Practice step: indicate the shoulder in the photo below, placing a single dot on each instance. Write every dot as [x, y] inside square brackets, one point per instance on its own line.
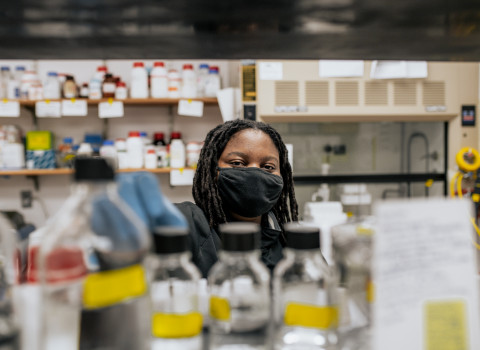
[197, 221]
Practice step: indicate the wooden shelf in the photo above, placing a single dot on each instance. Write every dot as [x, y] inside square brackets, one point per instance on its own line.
[66, 171]
[135, 101]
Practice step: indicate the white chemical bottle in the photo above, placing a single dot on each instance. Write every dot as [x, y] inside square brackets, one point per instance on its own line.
[177, 152]
[174, 82]
[134, 150]
[212, 84]
[159, 80]
[122, 158]
[189, 82]
[109, 152]
[139, 82]
[202, 79]
[51, 89]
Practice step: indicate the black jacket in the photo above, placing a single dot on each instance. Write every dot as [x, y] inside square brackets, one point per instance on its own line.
[206, 241]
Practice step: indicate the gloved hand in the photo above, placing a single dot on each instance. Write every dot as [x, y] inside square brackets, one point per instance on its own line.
[141, 191]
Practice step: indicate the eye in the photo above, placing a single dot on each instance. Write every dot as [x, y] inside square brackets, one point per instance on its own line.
[236, 163]
[269, 167]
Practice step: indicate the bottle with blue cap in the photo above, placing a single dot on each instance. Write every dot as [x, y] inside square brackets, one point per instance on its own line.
[239, 284]
[4, 79]
[176, 318]
[52, 88]
[90, 265]
[202, 79]
[304, 292]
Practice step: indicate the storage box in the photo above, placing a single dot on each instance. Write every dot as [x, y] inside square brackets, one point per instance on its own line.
[39, 141]
[41, 159]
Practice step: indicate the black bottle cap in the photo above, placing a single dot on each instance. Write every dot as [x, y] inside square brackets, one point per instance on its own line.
[93, 169]
[239, 236]
[171, 240]
[302, 237]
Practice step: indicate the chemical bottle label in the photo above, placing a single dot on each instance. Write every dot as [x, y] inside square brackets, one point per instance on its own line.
[166, 325]
[108, 288]
[311, 316]
[219, 308]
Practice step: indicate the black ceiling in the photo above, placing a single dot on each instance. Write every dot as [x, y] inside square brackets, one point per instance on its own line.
[238, 29]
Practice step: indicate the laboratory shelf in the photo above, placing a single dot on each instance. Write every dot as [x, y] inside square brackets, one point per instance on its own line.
[66, 171]
[132, 101]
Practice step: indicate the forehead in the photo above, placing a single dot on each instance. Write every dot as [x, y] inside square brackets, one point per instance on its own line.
[253, 141]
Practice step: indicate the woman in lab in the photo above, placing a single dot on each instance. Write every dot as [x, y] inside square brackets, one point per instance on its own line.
[243, 174]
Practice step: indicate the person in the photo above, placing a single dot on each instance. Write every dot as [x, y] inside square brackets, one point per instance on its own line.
[243, 174]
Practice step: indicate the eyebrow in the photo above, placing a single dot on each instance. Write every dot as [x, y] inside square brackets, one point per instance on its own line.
[241, 154]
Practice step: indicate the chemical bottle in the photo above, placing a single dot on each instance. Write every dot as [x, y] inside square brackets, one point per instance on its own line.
[193, 154]
[352, 253]
[28, 78]
[66, 153]
[84, 91]
[13, 89]
[139, 81]
[51, 89]
[69, 87]
[202, 79]
[9, 331]
[122, 158]
[239, 291]
[189, 82]
[134, 150]
[95, 85]
[159, 80]
[305, 307]
[108, 86]
[90, 260]
[151, 161]
[121, 92]
[85, 149]
[177, 151]
[212, 84]
[109, 152]
[144, 137]
[176, 319]
[174, 82]
[4, 79]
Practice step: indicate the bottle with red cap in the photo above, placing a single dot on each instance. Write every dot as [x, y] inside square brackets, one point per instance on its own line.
[121, 91]
[189, 82]
[135, 150]
[159, 80]
[90, 266]
[161, 149]
[177, 150]
[139, 81]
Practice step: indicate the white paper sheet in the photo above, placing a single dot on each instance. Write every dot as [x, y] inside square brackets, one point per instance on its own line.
[343, 68]
[398, 69]
[426, 292]
[110, 109]
[190, 108]
[48, 109]
[9, 109]
[74, 108]
[230, 102]
[271, 70]
[181, 177]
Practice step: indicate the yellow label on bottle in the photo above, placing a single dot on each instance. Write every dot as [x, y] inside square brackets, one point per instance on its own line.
[219, 308]
[111, 287]
[311, 316]
[176, 325]
[446, 325]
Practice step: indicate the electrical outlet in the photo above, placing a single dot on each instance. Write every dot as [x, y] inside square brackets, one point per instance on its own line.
[26, 198]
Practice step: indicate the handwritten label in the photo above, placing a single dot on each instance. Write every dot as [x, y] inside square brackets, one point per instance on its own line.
[48, 109]
[74, 108]
[424, 264]
[190, 108]
[9, 109]
[181, 177]
[110, 109]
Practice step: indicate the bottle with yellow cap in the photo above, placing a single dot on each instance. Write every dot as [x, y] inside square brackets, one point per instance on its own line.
[239, 291]
[176, 319]
[305, 306]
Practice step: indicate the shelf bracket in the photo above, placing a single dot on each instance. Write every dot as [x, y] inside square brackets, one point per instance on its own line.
[31, 109]
[36, 182]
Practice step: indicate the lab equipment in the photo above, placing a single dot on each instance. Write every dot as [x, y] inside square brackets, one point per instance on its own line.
[176, 319]
[239, 291]
[305, 305]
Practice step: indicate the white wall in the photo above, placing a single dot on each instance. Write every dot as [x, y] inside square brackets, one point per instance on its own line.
[54, 189]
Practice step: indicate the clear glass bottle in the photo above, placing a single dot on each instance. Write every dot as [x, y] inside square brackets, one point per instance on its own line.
[94, 289]
[176, 318]
[352, 253]
[239, 291]
[305, 306]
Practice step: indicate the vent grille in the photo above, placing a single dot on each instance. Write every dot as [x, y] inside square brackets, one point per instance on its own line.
[376, 93]
[316, 93]
[434, 93]
[405, 93]
[286, 93]
[346, 93]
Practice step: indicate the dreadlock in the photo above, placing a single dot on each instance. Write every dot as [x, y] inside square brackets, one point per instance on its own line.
[205, 190]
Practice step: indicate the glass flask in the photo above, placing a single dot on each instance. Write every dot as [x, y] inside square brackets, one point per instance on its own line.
[239, 285]
[90, 261]
[305, 305]
[352, 253]
[176, 319]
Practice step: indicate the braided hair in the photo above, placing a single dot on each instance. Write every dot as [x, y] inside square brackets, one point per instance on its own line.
[205, 190]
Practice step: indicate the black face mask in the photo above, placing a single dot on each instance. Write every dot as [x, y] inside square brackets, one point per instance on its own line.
[249, 192]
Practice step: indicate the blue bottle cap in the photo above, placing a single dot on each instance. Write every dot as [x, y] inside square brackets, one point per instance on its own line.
[20, 68]
[5, 68]
[67, 140]
[203, 65]
[52, 74]
[108, 143]
[143, 134]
